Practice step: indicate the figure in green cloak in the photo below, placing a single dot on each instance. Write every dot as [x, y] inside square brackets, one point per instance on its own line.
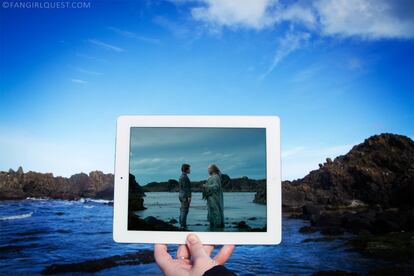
[213, 193]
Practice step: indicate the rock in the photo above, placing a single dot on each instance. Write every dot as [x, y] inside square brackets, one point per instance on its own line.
[19, 185]
[260, 197]
[332, 231]
[242, 225]
[326, 219]
[136, 195]
[378, 171]
[252, 218]
[392, 246]
[374, 182]
[140, 257]
[242, 184]
[173, 221]
[60, 213]
[308, 229]
[149, 223]
[311, 211]
[20, 170]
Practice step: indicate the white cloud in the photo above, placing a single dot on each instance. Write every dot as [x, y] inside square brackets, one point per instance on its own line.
[129, 34]
[78, 81]
[88, 72]
[370, 19]
[366, 18]
[105, 45]
[232, 13]
[287, 44]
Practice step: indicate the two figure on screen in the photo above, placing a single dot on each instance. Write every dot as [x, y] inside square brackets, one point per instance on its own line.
[212, 192]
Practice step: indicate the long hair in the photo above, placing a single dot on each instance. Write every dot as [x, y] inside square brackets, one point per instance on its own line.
[216, 170]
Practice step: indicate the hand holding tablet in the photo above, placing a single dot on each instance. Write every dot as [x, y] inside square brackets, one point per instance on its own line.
[217, 176]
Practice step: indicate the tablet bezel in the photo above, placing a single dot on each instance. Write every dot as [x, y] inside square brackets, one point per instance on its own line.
[273, 234]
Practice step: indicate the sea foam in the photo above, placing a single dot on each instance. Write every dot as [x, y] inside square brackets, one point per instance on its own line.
[22, 216]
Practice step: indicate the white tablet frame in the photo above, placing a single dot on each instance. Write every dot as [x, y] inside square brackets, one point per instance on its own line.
[273, 170]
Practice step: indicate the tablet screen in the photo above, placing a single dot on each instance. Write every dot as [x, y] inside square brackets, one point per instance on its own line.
[197, 179]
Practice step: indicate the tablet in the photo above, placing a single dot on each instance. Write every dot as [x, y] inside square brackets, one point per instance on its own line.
[216, 176]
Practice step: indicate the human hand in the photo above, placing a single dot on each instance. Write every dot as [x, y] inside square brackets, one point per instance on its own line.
[200, 257]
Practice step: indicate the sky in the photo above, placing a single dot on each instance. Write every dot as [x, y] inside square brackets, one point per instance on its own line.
[335, 72]
[156, 154]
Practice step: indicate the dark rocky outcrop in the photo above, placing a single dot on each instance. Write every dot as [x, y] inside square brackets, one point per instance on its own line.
[378, 171]
[136, 195]
[368, 190]
[140, 257]
[260, 196]
[241, 184]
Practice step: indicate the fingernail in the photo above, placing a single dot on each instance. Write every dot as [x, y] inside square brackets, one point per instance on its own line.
[192, 239]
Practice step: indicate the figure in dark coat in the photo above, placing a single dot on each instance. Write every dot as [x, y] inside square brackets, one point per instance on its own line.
[184, 194]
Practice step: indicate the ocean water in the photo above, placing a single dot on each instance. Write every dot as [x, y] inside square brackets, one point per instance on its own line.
[36, 233]
[237, 207]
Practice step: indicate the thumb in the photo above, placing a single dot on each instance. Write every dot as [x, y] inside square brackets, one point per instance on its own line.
[195, 246]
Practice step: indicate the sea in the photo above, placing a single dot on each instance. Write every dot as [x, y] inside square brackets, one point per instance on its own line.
[37, 233]
[237, 207]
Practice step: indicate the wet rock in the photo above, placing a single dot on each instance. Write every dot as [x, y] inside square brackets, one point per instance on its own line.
[241, 225]
[326, 219]
[149, 223]
[140, 257]
[391, 246]
[308, 229]
[252, 218]
[311, 211]
[332, 231]
[173, 221]
[60, 213]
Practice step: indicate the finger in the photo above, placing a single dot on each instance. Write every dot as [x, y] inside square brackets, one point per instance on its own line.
[224, 254]
[161, 255]
[195, 246]
[182, 252]
[208, 249]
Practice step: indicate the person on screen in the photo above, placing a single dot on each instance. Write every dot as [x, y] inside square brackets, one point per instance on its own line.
[213, 193]
[184, 194]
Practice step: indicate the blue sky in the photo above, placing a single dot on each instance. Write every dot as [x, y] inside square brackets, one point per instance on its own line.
[158, 153]
[335, 72]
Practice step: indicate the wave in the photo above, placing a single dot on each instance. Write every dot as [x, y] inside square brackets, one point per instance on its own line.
[37, 198]
[22, 216]
[101, 201]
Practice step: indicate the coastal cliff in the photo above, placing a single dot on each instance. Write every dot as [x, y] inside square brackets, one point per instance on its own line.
[369, 190]
[378, 171]
[19, 185]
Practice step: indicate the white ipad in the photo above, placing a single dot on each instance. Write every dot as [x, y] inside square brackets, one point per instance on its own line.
[217, 176]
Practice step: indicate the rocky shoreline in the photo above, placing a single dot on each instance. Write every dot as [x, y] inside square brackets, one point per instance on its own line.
[16, 185]
[238, 184]
[367, 192]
